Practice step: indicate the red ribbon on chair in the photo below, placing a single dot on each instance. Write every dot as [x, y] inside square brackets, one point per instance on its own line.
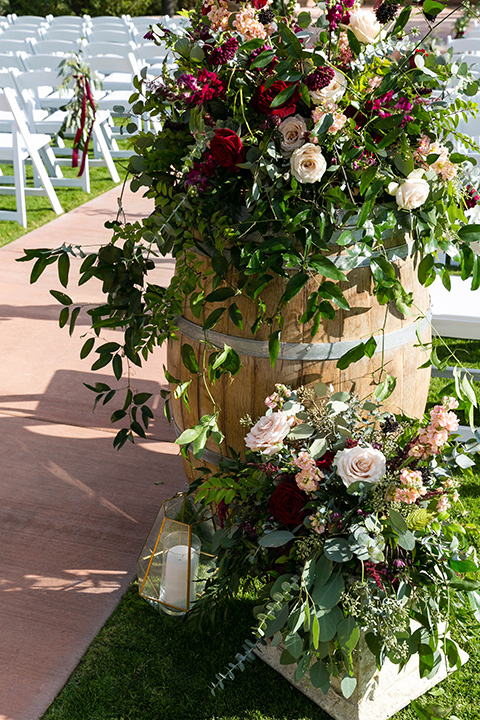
[87, 94]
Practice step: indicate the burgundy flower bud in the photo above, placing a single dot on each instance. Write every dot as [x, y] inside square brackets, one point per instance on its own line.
[266, 16]
[320, 78]
[386, 12]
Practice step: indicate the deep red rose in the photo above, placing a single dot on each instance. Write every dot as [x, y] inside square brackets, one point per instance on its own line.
[287, 504]
[259, 4]
[326, 460]
[227, 149]
[263, 98]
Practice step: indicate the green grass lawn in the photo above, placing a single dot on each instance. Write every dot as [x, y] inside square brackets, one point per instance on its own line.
[467, 353]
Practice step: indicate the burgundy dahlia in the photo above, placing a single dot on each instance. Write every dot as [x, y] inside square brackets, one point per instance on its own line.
[266, 16]
[319, 78]
[223, 53]
[386, 12]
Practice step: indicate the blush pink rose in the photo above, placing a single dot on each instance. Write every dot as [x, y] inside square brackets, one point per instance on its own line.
[364, 464]
[268, 434]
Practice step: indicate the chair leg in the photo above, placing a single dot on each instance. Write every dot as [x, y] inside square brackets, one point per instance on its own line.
[100, 138]
[46, 182]
[19, 174]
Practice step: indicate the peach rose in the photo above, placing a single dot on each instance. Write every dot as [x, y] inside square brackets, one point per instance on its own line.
[267, 435]
[292, 129]
[360, 464]
[308, 164]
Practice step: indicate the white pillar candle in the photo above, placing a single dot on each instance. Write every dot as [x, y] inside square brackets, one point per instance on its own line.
[176, 575]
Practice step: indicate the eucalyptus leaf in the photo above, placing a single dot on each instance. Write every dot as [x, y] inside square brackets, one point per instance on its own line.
[337, 549]
[277, 538]
[327, 595]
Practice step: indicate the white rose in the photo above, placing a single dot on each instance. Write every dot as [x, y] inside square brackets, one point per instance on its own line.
[268, 433]
[293, 129]
[332, 93]
[412, 193]
[365, 26]
[308, 164]
[360, 464]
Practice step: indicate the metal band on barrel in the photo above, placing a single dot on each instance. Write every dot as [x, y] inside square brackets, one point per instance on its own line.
[399, 252]
[301, 351]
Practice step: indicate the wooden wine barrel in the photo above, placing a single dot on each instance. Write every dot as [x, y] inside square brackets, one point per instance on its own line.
[304, 360]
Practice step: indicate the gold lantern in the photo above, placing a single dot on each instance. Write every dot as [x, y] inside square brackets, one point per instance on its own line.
[175, 563]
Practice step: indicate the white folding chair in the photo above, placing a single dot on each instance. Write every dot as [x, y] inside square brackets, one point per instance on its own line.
[147, 20]
[27, 19]
[69, 21]
[109, 20]
[16, 147]
[150, 54]
[92, 49]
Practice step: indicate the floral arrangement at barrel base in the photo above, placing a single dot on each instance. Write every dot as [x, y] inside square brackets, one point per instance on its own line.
[350, 519]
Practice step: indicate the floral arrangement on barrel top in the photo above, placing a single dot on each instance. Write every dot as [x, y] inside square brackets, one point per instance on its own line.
[348, 522]
[310, 133]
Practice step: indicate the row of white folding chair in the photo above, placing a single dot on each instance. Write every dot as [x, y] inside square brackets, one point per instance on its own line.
[106, 64]
[43, 104]
[74, 34]
[44, 93]
[17, 146]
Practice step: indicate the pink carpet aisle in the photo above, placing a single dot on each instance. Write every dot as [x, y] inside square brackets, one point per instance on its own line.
[74, 512]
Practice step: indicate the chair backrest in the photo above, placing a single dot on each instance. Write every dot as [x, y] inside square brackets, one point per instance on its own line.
[152, 52]
[465, 45]
[12, 33]
[43, 61]
[16, 60]
[30, 19]
[92, 49]
[110, 35]
[107, 64]
[62, 33]
[14, 46]
[55, 47]
[68, 21]
[111, 19]
[36, 79]
[147, 20]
